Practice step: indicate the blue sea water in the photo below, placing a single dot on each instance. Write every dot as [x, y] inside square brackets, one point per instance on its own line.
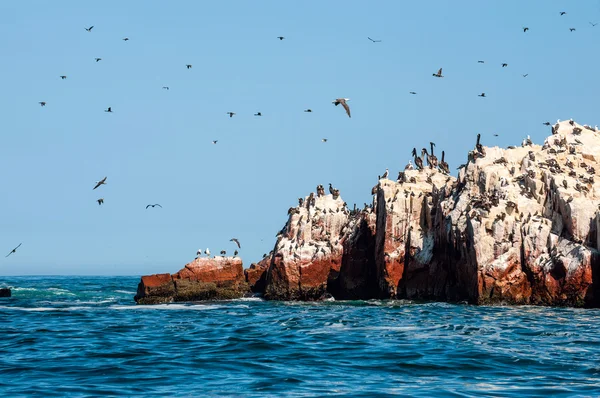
[84, 336]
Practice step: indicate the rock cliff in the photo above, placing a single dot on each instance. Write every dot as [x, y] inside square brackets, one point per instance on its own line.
[517, 226]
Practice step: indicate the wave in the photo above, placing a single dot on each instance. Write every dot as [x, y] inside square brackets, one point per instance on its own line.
[124, 292]
[42, 309]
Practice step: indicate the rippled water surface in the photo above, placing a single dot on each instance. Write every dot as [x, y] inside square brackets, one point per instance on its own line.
[82, 336]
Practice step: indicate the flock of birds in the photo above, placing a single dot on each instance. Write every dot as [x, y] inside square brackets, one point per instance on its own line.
[427, 156]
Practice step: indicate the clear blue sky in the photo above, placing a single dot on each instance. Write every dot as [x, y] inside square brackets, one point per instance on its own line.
[156, 145]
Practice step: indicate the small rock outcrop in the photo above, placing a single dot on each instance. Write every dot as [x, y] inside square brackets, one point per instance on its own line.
[216, 278]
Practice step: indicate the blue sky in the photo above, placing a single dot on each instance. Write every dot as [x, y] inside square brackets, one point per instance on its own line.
[156, 145]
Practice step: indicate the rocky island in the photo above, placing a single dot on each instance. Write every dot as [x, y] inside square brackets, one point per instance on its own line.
[517, 226]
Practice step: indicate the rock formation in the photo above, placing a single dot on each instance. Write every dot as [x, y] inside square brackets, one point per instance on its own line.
[517, 226]
[5, 292]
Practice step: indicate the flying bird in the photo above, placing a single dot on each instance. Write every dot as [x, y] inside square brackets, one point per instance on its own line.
[280, 37]
[308, 110]
[214, 141]
[563, 12]
[100, 201]
[495, 135]
[572, 29]
[63, 77]
[546, 123]
[14, 250]
[42, 103]
[154, 205]
[525, 75]
[258, 114]
[374, 41]
[439, 73]
[189, 66]
[90, 28]
[525, 29]
[481, 95]
[231, 114]
[101, 182]
[594, 24]
[324, 139]
[126, 39]
[237, 242]
[412, 92]
[344, 104]
[480, 62]
[98, 59]
[504, 65]
[165, 87]
[109, 109]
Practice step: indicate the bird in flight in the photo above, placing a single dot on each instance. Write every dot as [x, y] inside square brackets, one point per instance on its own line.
[42, 103]
[109, 110]
[572, 29]
[481, 95]
[593, 24]
[101, 182]
[98, 59]
[90, 28]
[342, 101]
[280, 37]
[374, 41]
[14, 250]
[308, 110]
[126, 39]
[546, 123]
[237, 242]
[153, 206]
[63, 77]
[439, 73]
[525, 29]
[258, 114]
[563, 12]
[526, 74]
[480, 62]
[230, 114]
[504, 65]
[165, 87]
[100, 201]
[495, 135]
[189, 66]
[215, 141]
[412, 92]
[324, 140]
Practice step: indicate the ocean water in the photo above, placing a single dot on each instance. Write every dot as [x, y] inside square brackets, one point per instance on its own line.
[84, 336]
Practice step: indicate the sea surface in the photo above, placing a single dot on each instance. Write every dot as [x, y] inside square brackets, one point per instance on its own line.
[85, 336]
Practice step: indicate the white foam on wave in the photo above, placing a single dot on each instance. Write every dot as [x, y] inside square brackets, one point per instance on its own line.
[42, 309]
[124, 292]
[58, 291]
[23, 289]
[200, 307]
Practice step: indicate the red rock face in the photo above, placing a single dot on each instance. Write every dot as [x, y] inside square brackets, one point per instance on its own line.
[256, 275]
[202, 279]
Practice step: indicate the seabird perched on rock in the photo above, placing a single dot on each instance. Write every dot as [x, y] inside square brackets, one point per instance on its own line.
[223, 252]
[198, 253]
[237, 242]
[439, 73]
[207, 252]
[342, 101]
[443, 165]
[230, 114]
[418, 160]
[409, 166]
[479, 147]
[432, 159]
[330, 189]
[14, 250]
[101, 182]
[100, 201]
[571, 122]
[385, 174]
[527, 141]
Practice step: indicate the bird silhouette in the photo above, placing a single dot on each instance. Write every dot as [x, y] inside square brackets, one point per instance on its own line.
[308, 110]
[215, 141]
[230, 114]
[14, 250]
[572, 29]
[563, 12]
[324, 139]
[63, 77]
[280, 37]
[98, 59]
[154, 205]
[525, 29]
[480, 62]
[100, 201]
[526, 74]
[90, 28]
[101, 182]
[42, 103]
[374, 41]
[258, 114]
[109, 110]
[481, 95]
[189, 66]
[504, 65]
[412, 92]
[165, 87]
[237, 242]
[342, 101]
[126, 39]
[593, 24]
[439, 73]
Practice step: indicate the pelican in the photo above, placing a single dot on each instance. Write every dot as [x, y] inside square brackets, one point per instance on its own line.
[432, 159]
[443, 165]
[101, 182]
[479, 147]
[418, 160]
[344, 104]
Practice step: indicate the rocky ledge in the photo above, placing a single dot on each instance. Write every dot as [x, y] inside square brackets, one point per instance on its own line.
[517, 226]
